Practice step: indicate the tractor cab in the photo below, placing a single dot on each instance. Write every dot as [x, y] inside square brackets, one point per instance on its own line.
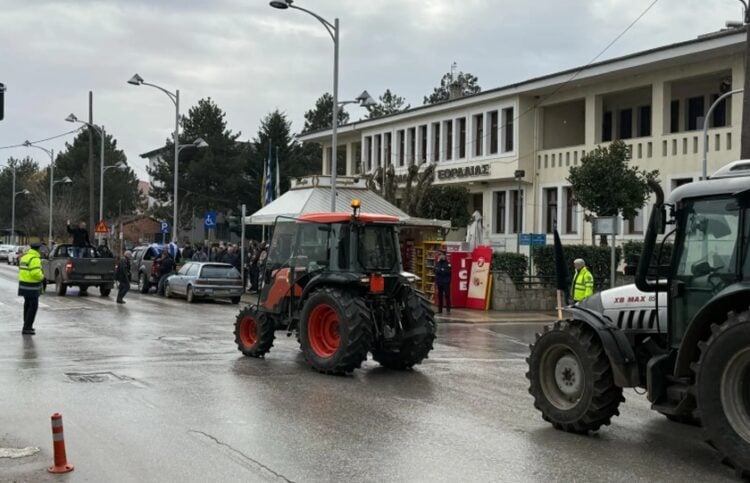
[340, 248]
[336, 280]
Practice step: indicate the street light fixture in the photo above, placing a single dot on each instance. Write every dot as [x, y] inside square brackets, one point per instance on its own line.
[100, 129]
[333, 31]
[137, 80]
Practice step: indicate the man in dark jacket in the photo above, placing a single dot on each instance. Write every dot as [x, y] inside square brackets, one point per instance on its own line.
[443, 283]
[166, 267]
[122, 275]
[80, 238]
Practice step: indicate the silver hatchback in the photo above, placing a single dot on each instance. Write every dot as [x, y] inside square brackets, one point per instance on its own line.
[209, 280]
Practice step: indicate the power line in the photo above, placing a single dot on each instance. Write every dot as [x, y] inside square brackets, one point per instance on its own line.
[42, 140]
[573, 76]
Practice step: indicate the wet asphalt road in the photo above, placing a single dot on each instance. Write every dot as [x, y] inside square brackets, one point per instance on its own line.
[156, 391]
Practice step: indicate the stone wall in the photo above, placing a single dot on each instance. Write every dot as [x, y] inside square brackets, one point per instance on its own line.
[506, 296]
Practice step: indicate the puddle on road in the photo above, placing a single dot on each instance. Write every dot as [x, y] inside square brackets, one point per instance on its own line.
[98, 377]
[14, 453]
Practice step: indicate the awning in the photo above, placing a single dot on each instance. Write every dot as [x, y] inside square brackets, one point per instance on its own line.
[313, 195]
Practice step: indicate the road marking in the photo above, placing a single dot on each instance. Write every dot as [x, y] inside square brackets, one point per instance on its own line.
[42, 305]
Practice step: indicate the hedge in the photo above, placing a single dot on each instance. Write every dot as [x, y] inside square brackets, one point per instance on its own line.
[635, 248]
[514, 264]
[597, 260]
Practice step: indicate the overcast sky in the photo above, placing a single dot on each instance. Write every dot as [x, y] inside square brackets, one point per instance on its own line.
[252, 59]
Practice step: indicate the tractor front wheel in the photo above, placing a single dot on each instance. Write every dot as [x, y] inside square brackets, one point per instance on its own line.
[253, 332]
[335, 331]
[722, 383]
[418, 336]
[571, 379]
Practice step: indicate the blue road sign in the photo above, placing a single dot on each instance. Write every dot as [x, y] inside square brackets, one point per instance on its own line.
[209, 221]
[525, 239]
[164, 227]
[538, 239]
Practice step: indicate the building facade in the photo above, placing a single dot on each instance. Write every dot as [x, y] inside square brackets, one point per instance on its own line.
[513, 146]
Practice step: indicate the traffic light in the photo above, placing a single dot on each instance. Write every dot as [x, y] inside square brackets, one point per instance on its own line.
[2, 100]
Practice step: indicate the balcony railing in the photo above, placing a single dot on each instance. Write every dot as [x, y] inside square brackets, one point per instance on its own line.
[685, 145]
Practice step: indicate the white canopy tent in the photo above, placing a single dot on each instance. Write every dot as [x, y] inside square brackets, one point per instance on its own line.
[313, 195]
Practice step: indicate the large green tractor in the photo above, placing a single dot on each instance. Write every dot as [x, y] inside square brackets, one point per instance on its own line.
[696, 367]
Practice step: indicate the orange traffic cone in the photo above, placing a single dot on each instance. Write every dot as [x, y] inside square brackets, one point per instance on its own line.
[58, 444]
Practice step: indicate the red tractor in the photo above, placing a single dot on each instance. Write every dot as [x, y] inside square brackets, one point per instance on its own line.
[335, 279]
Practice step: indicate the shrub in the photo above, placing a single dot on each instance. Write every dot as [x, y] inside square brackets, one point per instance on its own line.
[597, 260]
[514, 264]
[635, 248]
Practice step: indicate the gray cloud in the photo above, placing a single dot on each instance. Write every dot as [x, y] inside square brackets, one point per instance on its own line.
[252, 59]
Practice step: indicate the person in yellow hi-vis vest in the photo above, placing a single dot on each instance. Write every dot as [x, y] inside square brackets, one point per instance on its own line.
[30, 279]
[583, 281]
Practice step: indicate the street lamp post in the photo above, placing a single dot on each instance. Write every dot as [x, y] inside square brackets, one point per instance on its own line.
[52, 181]
[705, 128]
[333, 31]
[102, 134]
[13, 208]
[137, 80]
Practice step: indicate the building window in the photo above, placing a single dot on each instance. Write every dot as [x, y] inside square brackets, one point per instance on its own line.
[516, 214]
[694, 112]
[422, 144]
[477, 202]
[674, 116]
[626, 124]
[634, 225]
[368, 153]
[719, 116]
[436, 142]
[378, 150]
[411, 134]
[508, 130]
[550, 209]
[478, 134]
[388, 146]
[677, 182]
[500, 211]
[571, 218]
[493, 132]
[401, 145]
[644, 121]
[448, 140]
[607, 127]
[462, 138]
[357, 154]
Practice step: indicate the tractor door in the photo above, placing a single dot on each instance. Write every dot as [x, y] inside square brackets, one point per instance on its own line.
[706, 256]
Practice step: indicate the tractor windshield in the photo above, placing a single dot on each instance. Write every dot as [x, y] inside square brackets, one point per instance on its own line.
[378, 250]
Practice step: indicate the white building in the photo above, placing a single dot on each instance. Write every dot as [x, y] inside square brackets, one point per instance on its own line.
[653, 100]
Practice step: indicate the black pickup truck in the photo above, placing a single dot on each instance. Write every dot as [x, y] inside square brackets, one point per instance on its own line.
[65, 269]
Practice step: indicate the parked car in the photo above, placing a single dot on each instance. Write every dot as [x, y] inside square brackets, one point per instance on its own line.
[206, 280]
[15, 255]
[65, 270]
[5, 250]
[144, 270]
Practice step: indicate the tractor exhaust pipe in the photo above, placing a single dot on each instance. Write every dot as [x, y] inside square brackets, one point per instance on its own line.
[656, 226]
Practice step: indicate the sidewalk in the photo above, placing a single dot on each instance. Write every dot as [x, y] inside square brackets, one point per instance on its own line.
[467, 316]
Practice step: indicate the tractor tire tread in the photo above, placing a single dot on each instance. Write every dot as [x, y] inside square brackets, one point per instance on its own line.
[265, 331]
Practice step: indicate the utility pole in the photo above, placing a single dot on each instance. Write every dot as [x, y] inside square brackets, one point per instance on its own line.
[745, 133]
[92, 221]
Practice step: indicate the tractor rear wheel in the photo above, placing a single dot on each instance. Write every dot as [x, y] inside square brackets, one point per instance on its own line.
[419, 334]
[723, 392]
[571, 379]
[253, 332]
[335, 331]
